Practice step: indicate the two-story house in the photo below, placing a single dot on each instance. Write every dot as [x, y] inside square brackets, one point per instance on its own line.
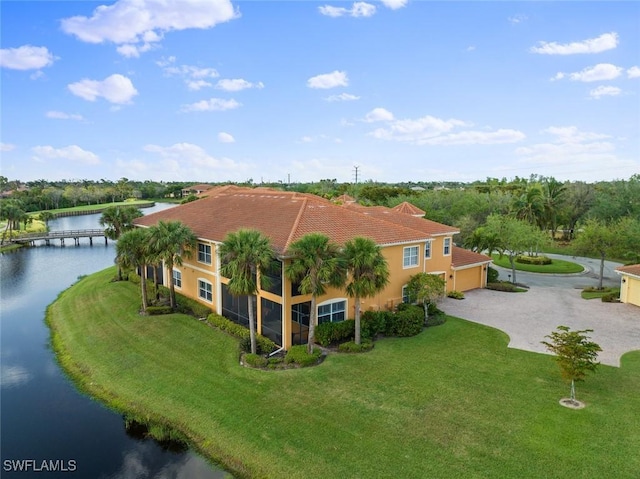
[409, 243]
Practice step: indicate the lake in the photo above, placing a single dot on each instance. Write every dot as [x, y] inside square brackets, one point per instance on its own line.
[43, 417]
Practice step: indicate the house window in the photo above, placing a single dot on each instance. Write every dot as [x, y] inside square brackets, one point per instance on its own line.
[177, 278]
[204, 253]
[300, 323]
[405, 294]
[273, 275]
[447, 247]
[332, 312]
[427, 250]
[205, 290]
[410, 257]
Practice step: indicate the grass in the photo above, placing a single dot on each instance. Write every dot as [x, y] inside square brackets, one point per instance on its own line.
[95, 207]
[557, 266]
[453, 401]
[595, 294]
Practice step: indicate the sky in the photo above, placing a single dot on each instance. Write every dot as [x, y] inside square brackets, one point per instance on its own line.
[299, 91]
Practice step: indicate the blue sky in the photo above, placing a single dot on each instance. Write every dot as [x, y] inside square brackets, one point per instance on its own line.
[406, 90]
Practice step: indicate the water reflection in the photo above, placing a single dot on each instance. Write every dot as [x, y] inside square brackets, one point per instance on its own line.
[43, 416]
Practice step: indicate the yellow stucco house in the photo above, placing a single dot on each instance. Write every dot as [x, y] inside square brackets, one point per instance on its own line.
[629, 283]
[410, 244]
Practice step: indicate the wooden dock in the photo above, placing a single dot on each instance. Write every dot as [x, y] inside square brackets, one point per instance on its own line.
[61, 236]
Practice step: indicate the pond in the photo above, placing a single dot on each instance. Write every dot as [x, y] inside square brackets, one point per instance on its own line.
[43, 416]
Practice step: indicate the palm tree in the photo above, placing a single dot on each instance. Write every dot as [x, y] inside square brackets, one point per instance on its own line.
[368, 271]
[243, 255]
[118, 219]
[315, 263]
[169, 241]
[13, 212]
[132, 251]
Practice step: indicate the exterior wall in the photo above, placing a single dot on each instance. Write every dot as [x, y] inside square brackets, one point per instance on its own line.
[630, 290]
[192, 270]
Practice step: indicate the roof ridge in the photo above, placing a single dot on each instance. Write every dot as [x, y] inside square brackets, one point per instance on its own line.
[294, 227]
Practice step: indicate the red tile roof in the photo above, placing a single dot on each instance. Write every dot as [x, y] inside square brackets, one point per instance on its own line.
[632, 269]
[287, 216]
[408, 209]
[463, 257]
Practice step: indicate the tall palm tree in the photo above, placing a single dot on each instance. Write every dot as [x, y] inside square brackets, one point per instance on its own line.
[132, 251]
[368, 273]
[118, 219]
[315, 263]
[243, 255]
[169, 242]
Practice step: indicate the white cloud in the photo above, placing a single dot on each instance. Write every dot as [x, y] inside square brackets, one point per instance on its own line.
[194, 77]
[197, 84]
[213, 104]
[358, 10]
[571, 134]
[26, 57]
[342, 97]
[7, 147]
[477, 138]
[129, 50]
[329, 80]
[604, 91]
[519, 18]
[429, 130]
[633, 72]
[115, 89]
[237, 84]
[378, 114]
[186, 161]
[224, 137]
[136, 24]
[394, 4]
[606, 41]
[571, 148]
[416, 131]
[599, 72]
[72, 153]
[60, 115]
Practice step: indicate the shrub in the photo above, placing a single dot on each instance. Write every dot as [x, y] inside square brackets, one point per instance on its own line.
[456, 294]
[436, 319]
[609, 298]
[158, 310]
[504, 286]
[298, 355]
[539, 260]
[328, 333]
[352, 347]
[374, 323]
[492, 275]
[406, 322]
[255, 360]
[263, 345]
[191, 306]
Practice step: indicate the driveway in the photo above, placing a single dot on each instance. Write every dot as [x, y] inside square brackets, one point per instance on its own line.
[554, 300]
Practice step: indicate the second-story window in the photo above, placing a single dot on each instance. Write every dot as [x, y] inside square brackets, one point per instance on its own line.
[447, 247]
[204, 253]
[410, 257]
[427, 249]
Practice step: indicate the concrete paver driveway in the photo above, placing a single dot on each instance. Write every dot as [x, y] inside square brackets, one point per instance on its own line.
[554, 300]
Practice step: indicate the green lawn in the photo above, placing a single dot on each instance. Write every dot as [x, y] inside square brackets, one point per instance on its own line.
[101, 206]
[450, 402]
[557, 266]
[599, 294]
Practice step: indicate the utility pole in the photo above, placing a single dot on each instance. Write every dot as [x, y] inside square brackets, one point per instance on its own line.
[355, 170]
